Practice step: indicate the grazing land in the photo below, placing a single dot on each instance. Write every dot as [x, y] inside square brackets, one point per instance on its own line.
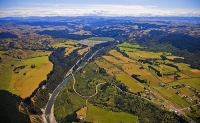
[132, 85]
[23, 76]
[69, 46]
[82, 51]
[96, 114]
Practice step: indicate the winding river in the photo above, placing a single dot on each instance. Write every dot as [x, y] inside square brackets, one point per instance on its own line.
[49, 112]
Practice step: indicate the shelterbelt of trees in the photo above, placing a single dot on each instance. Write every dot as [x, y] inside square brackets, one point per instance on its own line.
[178, 44]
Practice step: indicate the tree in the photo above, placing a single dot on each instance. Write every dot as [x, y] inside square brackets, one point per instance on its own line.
[32, 66]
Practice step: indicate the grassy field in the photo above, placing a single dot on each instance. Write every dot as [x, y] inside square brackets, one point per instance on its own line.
[129, 82]
[164, 69]
[121, 57]
[67, 102]
[69, 46]
[28, 79]
[23, 81]
[81, 113]
[129, 47]
[171, 94]
[183, 66]
[98, 115]
[5, 75]
[144, 55]
[111, 69]
[82, 51]
[173, 57]
[193, 82]
[64, 43]
[150, 79]
[178, 100]
[192, 72]
[113, 60]
[70, 49]
[134, 69]
[186, 91]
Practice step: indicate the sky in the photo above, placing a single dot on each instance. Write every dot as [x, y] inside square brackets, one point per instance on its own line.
[99, 7]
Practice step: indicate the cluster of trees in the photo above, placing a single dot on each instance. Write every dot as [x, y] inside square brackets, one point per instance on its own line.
[138, 79]
[178, 44]
[108, 32]
[145, 61]
[7, 35]
[9, 112]
[63, 34]
[16, 69]
[145, 111]
[61, 65]
[157, 72]
[172, 65]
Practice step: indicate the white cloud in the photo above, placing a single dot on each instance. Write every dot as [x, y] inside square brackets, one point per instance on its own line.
[100, 10]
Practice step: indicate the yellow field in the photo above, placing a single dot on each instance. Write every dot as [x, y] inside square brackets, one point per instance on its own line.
[69, 49]
[69, 46]
[28, 79]
[121, 57]
[82, 51]
[129, 82]
[64, 43]
[81, 113]
[113, 60]
[173, 57]
[144, 54]
[183, 66]
[134, 69]
[111, 69]
[150, 78]
[126, 79]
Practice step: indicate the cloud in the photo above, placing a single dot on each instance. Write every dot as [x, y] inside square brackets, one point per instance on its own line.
[99, 10]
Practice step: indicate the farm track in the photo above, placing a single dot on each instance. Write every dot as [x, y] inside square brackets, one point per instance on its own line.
[88, 97]
[48, 113]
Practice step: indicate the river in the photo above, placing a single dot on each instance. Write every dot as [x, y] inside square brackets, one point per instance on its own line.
[49, 113]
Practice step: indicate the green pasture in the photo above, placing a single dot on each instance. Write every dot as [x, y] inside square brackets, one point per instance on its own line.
[68, 43]
[128, 45]
[110, 68]
[183, 66]
[129, 82]
[171, 57]
[5, 75]
[98, 115]
[193, 82]
[178, 100]
[186, 91]
[164, 69]
[63, 104]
